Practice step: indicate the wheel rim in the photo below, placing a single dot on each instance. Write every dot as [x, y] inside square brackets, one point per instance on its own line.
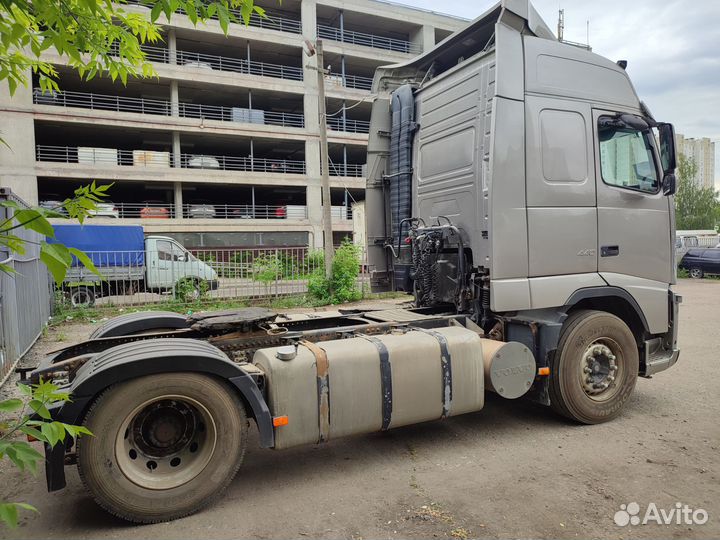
[601, 366]
[80, 298]
[165, 442]
[696, 273]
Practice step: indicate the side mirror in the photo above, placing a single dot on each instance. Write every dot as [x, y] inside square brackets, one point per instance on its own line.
[666, 134]
[180, 258]
[669, 184]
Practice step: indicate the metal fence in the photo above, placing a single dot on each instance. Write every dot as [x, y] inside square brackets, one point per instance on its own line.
[104, 102]
[272, 21]
[346, 124]
[173, 276]
[148, 158]
[367, 40]
[25, 299]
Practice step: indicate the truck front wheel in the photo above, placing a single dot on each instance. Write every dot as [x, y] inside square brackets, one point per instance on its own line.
[595, 367]
[82, 297]
[164, 446]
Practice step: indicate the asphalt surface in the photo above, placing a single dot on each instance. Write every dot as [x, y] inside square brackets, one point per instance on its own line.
[512, 470]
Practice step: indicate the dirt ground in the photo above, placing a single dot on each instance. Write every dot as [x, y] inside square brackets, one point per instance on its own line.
[512, 470]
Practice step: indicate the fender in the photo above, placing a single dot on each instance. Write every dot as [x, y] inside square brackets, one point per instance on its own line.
[132, 360]
[604, 292]
[131, 323]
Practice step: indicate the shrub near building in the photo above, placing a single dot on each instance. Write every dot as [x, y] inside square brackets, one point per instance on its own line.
[342, 286]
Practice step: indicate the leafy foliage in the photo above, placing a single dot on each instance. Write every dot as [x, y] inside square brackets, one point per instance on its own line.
[57, 257]
[696, 207]
[188, 290]
[266, 268]
[94, 36]
[343, 284]
[30, 416]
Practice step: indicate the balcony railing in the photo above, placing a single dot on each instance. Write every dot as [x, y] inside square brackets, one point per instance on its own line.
[271, 22]
[243, 211]
[240, 114]
[144, 210]
[102, 102]
[352, 126]
[367, 40]
[85, 100]
[346, 169]
[357, 82]
[233, 163]
[146, 158]
[213, 62]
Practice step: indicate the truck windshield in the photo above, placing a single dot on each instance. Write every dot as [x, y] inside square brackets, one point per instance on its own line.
[626, 159]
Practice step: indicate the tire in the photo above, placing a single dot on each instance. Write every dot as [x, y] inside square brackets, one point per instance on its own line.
[164, 446]
[82, 297]
[134, 323]
[696, 273]
[604, 344]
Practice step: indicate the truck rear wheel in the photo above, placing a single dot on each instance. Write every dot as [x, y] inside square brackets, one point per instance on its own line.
[164, 445]
[595, 367]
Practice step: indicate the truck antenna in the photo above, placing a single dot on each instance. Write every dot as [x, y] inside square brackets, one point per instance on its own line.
[561, 24]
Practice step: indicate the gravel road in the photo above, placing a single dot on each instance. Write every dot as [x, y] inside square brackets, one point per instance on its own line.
[512, 470]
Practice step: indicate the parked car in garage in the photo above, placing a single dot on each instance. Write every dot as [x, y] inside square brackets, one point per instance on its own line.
[201, 210]
[203, 162]
[198, 64]
[106, 210]
[154, 210]
[53, 205]
[699, 262]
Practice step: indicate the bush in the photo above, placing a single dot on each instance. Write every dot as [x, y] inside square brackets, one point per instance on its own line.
[266, 268]
[188, 290]
[342, 286]
[315, 260]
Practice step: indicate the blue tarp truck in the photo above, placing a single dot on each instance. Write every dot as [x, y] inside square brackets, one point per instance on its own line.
[129, 262]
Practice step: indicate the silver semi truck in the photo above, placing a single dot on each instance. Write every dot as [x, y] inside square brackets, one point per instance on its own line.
[517, 187]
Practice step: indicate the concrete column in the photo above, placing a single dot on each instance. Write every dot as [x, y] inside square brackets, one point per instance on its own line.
[176, 150]
[424, 37]
[174, 98]
[172, 46]
[314, 191]
[17, 155]
[308, 11]
[178, 194]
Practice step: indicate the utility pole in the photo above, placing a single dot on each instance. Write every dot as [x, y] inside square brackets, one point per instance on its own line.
[317, 50]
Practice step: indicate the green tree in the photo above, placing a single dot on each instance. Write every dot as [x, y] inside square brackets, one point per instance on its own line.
[696, 207]
[94, 36]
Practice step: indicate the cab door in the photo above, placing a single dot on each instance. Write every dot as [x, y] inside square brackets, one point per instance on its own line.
[560, 187]
[634, 236]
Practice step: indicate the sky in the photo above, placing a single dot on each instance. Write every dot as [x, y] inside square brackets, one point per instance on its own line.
[672, 48]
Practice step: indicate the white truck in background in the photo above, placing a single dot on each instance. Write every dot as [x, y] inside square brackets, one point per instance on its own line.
[129, 262]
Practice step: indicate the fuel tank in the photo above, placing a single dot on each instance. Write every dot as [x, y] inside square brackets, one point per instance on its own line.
[371, 383]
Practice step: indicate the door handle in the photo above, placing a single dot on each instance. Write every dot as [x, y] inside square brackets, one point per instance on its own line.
[609, 251]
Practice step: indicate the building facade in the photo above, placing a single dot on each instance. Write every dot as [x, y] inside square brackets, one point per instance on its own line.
[703, 152]
[222, 149]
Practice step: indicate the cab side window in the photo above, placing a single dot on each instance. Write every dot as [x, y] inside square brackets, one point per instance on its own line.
[164, 250]
[626, 159]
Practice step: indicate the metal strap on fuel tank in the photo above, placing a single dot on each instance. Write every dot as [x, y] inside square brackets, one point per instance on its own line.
[385, 379]
[323, 388]
[445, 366]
